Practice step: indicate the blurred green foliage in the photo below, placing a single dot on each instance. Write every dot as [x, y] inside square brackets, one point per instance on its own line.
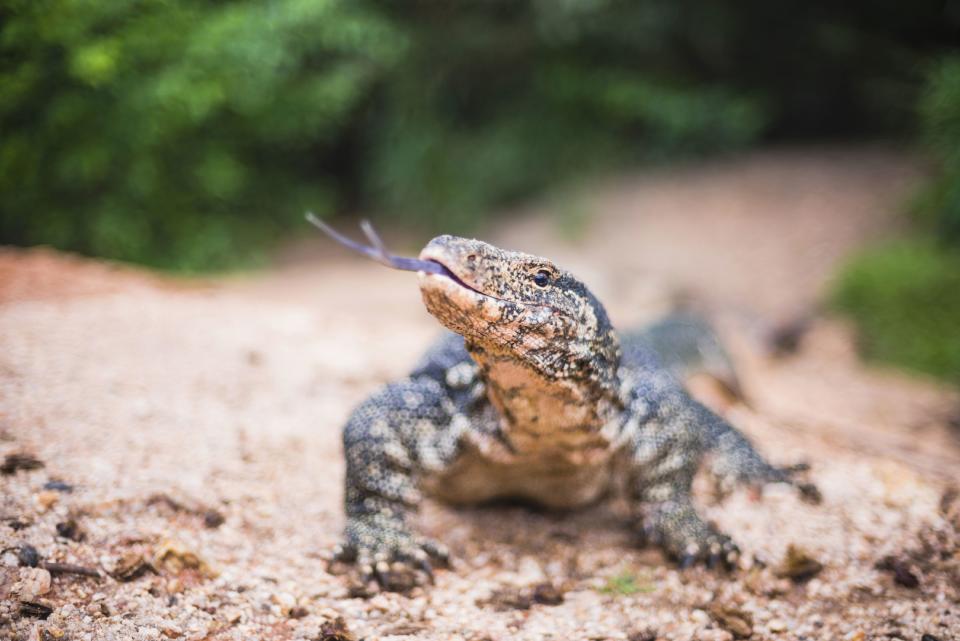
[176, 132]
[189, 133]
[905, 298]
[938, 207]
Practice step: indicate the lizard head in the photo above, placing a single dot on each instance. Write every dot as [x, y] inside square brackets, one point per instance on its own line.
[519, 306]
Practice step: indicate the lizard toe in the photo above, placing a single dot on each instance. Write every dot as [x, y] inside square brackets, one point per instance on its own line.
[343, 553]
[397, 564]
[718, 553]
[690, 541]
[436, 552]
[794, 476]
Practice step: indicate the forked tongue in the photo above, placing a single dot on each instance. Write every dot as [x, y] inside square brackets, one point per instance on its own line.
[377, 250]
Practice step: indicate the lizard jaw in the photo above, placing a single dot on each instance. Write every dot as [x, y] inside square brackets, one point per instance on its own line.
[448, 277]
[453, 300]
[449, 273]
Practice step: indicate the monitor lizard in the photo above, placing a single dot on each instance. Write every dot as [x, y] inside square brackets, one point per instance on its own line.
[534, 395]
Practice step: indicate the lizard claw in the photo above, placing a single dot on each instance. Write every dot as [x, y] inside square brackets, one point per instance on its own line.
[389, 560]
[810, 493]
[436, 551]
[789, 474]
[343, 554]
[713, 560]
[423, 562]
[717, 553]
[688, 539]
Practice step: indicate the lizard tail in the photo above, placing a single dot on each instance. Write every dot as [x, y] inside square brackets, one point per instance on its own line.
[688, 346]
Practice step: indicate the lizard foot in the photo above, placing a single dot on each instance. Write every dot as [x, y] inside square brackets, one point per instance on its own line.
[388, 557]
[687, 539]
[759, 473]
[792, 475]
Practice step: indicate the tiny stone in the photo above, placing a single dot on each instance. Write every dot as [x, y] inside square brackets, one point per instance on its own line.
[737, 622]
[47, 499]
[699, 616]
[286, 602]
[298, 612]
[69, 529]
[650, 634]
[777, 625]
[28, 556]
[714, 635]
[58, 486]
[212, 519]
[34, 582]
[16, 462]
[547, 594]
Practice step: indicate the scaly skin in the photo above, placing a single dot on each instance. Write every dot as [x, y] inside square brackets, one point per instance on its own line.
[534, 396]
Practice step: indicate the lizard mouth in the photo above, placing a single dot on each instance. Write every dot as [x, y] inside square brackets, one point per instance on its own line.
[448, 273]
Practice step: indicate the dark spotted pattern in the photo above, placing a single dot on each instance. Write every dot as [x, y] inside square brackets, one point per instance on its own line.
[535, 397]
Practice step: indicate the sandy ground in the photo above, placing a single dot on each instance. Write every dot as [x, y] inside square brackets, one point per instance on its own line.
[196, 430]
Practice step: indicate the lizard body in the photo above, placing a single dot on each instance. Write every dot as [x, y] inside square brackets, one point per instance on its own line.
[533, 395]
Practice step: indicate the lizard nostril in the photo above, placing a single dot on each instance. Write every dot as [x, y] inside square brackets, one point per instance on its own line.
[471, 258]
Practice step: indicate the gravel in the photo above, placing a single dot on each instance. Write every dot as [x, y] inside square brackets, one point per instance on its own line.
[197, 427]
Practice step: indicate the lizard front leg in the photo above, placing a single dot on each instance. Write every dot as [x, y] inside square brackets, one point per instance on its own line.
[667, 447]
[390, 441]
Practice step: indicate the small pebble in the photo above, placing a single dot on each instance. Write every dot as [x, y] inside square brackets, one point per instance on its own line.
[58, 486]
[777, 625]
[714, 635]
[699, 616]
[34, 582]
[232, 615]
[70, 529]
[28, 556]
[13, 463]
[286, 601]
[298, 612]
[212, 519]
[46, 499]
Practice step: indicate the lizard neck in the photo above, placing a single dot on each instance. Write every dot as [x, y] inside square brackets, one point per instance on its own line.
[547, 416]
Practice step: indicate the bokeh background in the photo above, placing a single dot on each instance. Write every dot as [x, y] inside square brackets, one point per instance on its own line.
[191, 135]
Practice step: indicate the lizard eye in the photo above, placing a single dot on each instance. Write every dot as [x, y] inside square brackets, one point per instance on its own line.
[541, 278]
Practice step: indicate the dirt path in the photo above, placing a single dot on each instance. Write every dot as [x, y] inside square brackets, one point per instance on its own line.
[169, 407]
